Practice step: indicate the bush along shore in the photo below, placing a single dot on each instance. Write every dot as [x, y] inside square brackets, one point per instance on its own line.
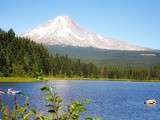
[55, 109]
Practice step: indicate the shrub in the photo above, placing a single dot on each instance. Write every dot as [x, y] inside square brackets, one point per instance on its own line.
[55, 109]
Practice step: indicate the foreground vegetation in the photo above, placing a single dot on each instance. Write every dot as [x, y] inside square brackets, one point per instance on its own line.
[55, 109]
[24, 58]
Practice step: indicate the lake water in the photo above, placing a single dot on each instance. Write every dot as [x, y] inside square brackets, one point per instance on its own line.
[109, 100]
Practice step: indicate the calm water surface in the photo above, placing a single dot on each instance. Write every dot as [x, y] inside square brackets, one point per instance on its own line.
[110, 100]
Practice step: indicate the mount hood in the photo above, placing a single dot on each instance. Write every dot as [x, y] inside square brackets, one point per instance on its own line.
[64, 31]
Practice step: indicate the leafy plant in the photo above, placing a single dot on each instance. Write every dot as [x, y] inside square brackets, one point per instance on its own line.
[56, 110]
[18, 112]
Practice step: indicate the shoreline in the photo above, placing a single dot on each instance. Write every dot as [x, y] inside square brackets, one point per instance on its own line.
[47, 78]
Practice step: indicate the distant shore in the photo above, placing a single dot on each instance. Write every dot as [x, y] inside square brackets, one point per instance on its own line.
[31, 79]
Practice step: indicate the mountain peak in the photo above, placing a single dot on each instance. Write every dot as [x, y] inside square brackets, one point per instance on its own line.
[62, 21]
[64, 31]
[63, 18]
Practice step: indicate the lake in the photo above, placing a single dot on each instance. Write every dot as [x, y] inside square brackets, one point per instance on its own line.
[111, 100]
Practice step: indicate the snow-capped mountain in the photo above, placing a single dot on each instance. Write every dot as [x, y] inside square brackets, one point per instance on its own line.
[64, 31]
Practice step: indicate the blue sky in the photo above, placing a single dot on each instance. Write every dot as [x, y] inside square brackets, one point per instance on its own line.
[134, 21]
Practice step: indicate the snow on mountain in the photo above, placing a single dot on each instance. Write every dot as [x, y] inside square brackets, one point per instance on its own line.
[64, 31]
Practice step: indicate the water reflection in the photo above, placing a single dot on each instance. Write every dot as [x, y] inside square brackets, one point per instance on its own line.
[109, 99]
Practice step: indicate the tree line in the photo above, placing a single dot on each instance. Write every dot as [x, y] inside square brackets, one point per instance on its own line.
[21, 56]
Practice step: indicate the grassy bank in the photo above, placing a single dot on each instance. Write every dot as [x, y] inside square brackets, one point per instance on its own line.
[46, 78]
[31, 79]
[17, 79]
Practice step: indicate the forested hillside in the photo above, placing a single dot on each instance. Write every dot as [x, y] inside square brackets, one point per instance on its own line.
[23, 57]
[109, 57]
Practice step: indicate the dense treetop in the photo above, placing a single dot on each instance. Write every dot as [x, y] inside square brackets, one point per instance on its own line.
[21, 56]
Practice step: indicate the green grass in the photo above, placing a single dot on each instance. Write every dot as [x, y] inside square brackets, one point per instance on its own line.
[17, 79]
[31, 79]
[46, 78]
